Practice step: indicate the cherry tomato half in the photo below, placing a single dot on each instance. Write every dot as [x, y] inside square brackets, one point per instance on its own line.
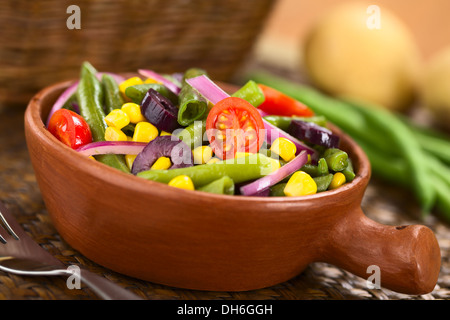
[234, 125]
[280, 104]
[70, 128]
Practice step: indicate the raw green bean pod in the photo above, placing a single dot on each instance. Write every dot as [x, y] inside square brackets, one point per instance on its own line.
[439, 146]
[442, 198]
[402, 139]
[192, 105]
[392, 169]
[90, 97]
[113, 96]
[224, 185]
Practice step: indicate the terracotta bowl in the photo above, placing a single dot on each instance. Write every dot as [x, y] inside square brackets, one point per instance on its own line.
[195, 240]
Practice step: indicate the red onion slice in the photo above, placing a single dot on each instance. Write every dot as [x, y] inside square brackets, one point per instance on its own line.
[258, 187]
[111, 147]
[62, 99]
[207, 88]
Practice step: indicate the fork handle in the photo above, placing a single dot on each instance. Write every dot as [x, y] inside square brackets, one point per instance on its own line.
[104, 288]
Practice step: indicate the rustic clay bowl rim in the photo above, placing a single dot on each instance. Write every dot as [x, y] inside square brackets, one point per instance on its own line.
[359, 158]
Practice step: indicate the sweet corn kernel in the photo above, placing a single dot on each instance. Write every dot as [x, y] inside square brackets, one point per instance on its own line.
[114, 134]
[133, 111]
[91, 157]
[285, 148]
[300, 184]
[117, 118]
[145, 132]
[337, 181]
[275, 164]
[163, 133]
[182, 182]
[162, 163]
[129, 159]
[128, 83]
[202, 154]
[213, 160]
[241, 154]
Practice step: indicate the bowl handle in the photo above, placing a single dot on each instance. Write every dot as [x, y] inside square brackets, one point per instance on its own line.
[404, 259]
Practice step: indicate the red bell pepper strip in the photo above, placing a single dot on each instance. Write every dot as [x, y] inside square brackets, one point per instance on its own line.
[280, 104]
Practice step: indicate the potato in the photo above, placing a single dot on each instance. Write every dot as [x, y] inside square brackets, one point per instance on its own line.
[435, 89]
[345, 55]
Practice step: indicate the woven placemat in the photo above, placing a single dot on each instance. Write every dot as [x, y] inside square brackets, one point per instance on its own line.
[20, 194]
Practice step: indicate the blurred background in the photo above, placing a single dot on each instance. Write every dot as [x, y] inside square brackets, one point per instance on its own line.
[38, 49]
[290, 21]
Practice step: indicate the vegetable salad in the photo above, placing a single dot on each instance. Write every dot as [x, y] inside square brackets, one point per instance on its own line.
[185, 131]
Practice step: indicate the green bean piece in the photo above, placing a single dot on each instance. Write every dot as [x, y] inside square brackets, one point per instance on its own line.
[192, 105]
[193, 134]
[320, 120]
[280, 122]
[113, 96]
[268, 153]
[336, 159]
[323, 182]
[240, 170]
[224, 185]
[90, 97]
[129, 129]
[283, 122]
[277, 190]
[310, 169]
[69, 104]
[322, 167]
[251, 93]
[137, 92]
[349, 172]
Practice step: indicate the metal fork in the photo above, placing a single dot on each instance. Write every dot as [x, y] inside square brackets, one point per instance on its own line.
[20, 254]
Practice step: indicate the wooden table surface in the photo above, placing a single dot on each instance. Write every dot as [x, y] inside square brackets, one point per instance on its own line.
[20, 193]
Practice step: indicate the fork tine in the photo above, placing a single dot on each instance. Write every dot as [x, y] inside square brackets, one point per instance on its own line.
[3, 211]
[2, 239]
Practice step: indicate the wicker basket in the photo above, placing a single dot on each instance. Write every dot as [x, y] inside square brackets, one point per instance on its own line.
[37, 48]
